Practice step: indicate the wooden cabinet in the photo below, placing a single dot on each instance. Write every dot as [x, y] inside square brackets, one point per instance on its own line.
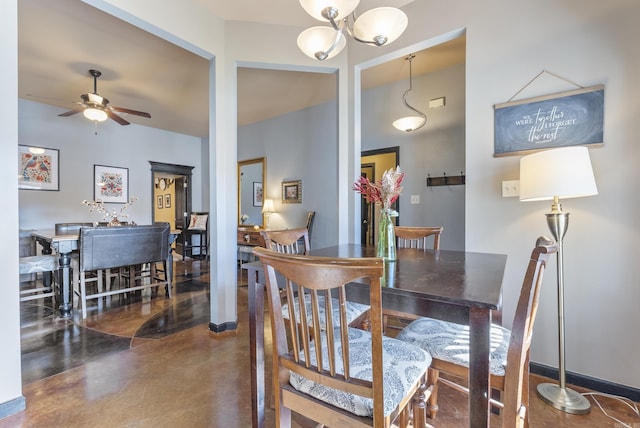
[250, 237]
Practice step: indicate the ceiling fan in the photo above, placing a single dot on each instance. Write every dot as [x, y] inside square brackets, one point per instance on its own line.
[96, 107]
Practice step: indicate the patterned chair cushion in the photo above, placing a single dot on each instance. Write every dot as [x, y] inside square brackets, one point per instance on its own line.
[450, 342]
[403, 365]
[35, 264]
[354, 310]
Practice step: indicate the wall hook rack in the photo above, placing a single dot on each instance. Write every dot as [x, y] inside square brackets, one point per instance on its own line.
[453, 180]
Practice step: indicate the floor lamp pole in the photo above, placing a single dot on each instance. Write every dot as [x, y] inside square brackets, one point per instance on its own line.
[559, 396]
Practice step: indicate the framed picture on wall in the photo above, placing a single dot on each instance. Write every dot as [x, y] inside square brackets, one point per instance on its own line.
[292, 192]
[257, 194]
[110, 184]
[159, 201]
[167, 201]
[38, 168]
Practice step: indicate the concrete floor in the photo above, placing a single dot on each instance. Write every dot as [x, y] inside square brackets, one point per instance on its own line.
[152, 362]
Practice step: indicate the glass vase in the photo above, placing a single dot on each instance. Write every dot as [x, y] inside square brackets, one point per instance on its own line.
[386, 235]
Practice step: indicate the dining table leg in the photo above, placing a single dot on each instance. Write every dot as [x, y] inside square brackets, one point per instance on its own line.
[66, 309]
[256, 337]
[479, 345]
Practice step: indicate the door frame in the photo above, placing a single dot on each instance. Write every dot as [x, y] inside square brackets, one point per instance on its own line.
[396, 206]
[173, 169]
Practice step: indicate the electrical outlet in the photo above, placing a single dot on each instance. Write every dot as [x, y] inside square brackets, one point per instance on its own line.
[415, 199]
[510, 188]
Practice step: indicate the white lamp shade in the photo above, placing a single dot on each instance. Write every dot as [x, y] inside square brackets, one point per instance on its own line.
[268, 207]
[95, 114]
[319, 39]
[564, 172]
[315, 7]
[409, 123]
[381, 21]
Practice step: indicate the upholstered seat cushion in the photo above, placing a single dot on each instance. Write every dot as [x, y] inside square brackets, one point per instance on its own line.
[450, 342]
[403, 365]
[354, 311]
[35, 264]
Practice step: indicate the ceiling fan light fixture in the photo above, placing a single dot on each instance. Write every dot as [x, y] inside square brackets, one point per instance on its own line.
[323, 9]
[95, 114]
[381, 25]
[321, 42]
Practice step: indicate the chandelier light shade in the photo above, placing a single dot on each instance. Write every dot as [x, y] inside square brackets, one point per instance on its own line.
[321, 42]
[323, 9]
[382, 25]
[95, 114]
[377, 27]
[413, 122]
[553, 174]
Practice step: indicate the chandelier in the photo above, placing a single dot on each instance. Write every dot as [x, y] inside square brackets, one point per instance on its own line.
[377, 27]
[410, 123]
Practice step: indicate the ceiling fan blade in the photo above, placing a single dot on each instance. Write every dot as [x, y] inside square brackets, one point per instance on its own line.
[136, 112]
[71, 112]
[115, 117]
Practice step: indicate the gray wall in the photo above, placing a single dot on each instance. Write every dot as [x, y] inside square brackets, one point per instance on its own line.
[299, 146]
[131, 146]
[434, 149]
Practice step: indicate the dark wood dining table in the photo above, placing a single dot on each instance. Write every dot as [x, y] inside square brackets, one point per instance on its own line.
[456, 286]
[65, 244]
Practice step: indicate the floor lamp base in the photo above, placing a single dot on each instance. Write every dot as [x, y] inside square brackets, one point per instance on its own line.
[564, 399]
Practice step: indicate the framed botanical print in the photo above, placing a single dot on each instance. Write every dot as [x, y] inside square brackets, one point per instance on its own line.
[110, 184]
[38, 168]
[292, 192]
[257, 194]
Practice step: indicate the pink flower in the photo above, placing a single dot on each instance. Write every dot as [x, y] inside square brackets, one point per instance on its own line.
[384, 191]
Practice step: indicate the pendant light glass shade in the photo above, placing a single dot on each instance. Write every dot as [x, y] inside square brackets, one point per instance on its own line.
[409, 123]
[342, 8]
[317, 42]
[381, 25]
[95, 114]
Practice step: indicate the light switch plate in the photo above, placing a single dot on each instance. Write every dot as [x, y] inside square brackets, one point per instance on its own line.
[415, 199]
[510, 188]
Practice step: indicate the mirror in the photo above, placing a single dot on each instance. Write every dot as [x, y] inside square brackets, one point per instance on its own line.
[251, 190]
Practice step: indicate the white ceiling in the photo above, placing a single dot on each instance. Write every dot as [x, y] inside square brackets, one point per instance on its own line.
[58, 42]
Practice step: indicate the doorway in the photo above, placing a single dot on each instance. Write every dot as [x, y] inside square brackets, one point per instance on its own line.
[171, 190]
[373, 163]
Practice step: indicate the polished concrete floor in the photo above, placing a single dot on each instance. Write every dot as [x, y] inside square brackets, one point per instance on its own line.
[152, 362]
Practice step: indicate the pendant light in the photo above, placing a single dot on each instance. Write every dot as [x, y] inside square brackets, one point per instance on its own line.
[410, 123]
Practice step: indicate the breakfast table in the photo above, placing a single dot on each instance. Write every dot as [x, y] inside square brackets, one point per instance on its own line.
[458, 286]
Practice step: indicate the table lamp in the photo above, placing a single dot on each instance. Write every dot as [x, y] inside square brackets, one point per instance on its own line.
[267, 210]
[553, 174]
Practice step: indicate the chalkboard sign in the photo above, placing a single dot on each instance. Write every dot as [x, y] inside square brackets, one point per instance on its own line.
[564, 119]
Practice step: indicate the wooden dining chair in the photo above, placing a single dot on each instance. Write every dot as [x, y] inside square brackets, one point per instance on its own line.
[288, 242]
[448, 343]
[417, 237]
[338, 376]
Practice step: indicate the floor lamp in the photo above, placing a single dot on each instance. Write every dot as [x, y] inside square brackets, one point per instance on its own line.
[554, 174]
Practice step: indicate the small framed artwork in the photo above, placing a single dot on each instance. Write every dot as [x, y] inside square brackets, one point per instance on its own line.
[167, 201]
[160, 202]
[111, 184]
[292, 192]
[257, 194]
[38, 168]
